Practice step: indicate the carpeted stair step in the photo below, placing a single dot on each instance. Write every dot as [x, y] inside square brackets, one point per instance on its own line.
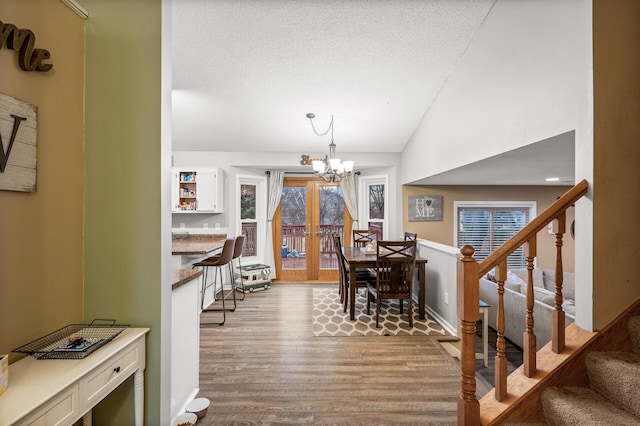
[616, 376]
[582, 406]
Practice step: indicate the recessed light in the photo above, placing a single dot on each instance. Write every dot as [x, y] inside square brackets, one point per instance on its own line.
[552, 179]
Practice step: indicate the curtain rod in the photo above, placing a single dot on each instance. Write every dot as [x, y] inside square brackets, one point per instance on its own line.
[292, 172]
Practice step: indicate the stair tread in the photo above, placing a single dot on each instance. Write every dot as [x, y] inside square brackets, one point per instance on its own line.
[616, 376]
[581, 406]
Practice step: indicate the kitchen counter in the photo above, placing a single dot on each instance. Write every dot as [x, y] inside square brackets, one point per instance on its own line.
[197, 244]
[182, 276]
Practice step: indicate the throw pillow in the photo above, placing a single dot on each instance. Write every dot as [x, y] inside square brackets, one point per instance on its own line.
[537, 276]
[514, 282]
[491, 275]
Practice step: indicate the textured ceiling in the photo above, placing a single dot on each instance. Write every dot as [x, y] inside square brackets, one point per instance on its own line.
[246, 72]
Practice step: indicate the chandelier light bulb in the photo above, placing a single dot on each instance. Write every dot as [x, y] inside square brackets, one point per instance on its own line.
[318, 166]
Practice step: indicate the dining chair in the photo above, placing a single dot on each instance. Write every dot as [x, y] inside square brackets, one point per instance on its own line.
[362, 237]
[410, 236]
[337, 249]
[362, 275]
[395, 266]
[218, 262]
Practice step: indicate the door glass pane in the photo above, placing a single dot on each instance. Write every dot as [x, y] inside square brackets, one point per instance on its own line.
[376, 201]
[331, 221]
[294, 218]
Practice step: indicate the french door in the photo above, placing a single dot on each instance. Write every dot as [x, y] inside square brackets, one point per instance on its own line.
[310, 211]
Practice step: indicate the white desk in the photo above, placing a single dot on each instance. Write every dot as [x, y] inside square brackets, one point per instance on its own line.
[62, 391]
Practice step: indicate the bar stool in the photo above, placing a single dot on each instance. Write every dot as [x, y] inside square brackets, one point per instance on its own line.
[237, 253]
[218, 261]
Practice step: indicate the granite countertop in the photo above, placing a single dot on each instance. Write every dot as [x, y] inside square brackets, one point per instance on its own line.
[182, 276]
[197, 244]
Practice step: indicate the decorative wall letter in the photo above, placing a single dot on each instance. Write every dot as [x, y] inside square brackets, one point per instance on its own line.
[23, 42]
[18, 145]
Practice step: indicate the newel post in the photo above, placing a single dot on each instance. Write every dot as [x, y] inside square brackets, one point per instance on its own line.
[468, 313]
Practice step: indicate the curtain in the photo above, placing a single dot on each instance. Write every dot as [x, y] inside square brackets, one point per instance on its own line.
[276, 179]
[348, 187]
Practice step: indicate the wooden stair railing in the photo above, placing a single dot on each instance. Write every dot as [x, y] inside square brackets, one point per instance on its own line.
[469, 272]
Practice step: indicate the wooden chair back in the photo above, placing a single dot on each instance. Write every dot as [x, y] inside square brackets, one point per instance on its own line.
[362, 237]
[410, 236]
[395, 264]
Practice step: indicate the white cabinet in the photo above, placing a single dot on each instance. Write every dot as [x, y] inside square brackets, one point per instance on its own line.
[196, 190]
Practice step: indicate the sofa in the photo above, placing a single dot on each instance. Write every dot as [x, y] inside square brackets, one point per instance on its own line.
[515, 302]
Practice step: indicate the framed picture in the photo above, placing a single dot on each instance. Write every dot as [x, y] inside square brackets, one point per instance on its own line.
[425, 208]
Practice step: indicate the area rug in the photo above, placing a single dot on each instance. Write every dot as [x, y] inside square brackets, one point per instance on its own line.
[329, 319]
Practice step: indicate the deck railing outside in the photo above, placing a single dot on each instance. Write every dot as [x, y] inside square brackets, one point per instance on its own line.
[294, 248]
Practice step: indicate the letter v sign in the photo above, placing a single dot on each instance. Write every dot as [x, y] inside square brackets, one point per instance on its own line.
[4, 157]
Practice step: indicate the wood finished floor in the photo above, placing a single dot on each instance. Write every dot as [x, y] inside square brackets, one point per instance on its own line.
[265, 367]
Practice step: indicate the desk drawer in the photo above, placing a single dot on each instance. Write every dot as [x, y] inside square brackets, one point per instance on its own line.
[62, 410]
[109, 375]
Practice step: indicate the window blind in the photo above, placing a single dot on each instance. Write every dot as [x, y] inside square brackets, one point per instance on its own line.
[486, 228]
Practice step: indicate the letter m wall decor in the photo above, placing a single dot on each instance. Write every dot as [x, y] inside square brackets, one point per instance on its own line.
[18, 145]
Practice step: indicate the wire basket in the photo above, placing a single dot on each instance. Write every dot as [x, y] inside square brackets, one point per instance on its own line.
[75, 341]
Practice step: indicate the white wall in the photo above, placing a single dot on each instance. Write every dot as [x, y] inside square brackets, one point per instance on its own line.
[526, 76]
[441, 278]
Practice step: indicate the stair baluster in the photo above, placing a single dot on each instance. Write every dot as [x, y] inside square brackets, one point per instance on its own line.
[529, 338]
[558, 315]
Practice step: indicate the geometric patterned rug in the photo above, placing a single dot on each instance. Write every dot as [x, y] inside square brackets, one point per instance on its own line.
[329, 319]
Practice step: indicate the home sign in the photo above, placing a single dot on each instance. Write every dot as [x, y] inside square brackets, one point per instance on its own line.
[18, 144]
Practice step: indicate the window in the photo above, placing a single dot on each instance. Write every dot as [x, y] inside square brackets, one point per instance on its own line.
[488, 225]
[251, 213]
[373, 207]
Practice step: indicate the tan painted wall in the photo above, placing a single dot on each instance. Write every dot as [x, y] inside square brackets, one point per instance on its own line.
[616, 233]
[41, 233]
[442, 231]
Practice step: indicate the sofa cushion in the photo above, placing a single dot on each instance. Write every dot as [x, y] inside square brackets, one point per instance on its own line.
[568, 283]
[538, 280]
[541, 294]
[569, 307]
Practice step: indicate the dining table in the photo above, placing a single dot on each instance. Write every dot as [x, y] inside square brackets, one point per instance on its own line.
[359, 257]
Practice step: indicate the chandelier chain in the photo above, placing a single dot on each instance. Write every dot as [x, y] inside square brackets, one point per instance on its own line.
[330, 128]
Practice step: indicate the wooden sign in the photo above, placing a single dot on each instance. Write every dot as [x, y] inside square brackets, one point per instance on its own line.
[425, 208]
[18, 145]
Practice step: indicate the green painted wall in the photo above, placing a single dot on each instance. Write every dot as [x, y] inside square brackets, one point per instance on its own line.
[122, 183]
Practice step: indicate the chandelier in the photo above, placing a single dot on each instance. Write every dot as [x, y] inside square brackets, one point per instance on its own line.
[330, 169]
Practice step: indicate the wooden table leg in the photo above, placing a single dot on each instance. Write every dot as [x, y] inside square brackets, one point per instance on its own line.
[352, 292]
[422, 272]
